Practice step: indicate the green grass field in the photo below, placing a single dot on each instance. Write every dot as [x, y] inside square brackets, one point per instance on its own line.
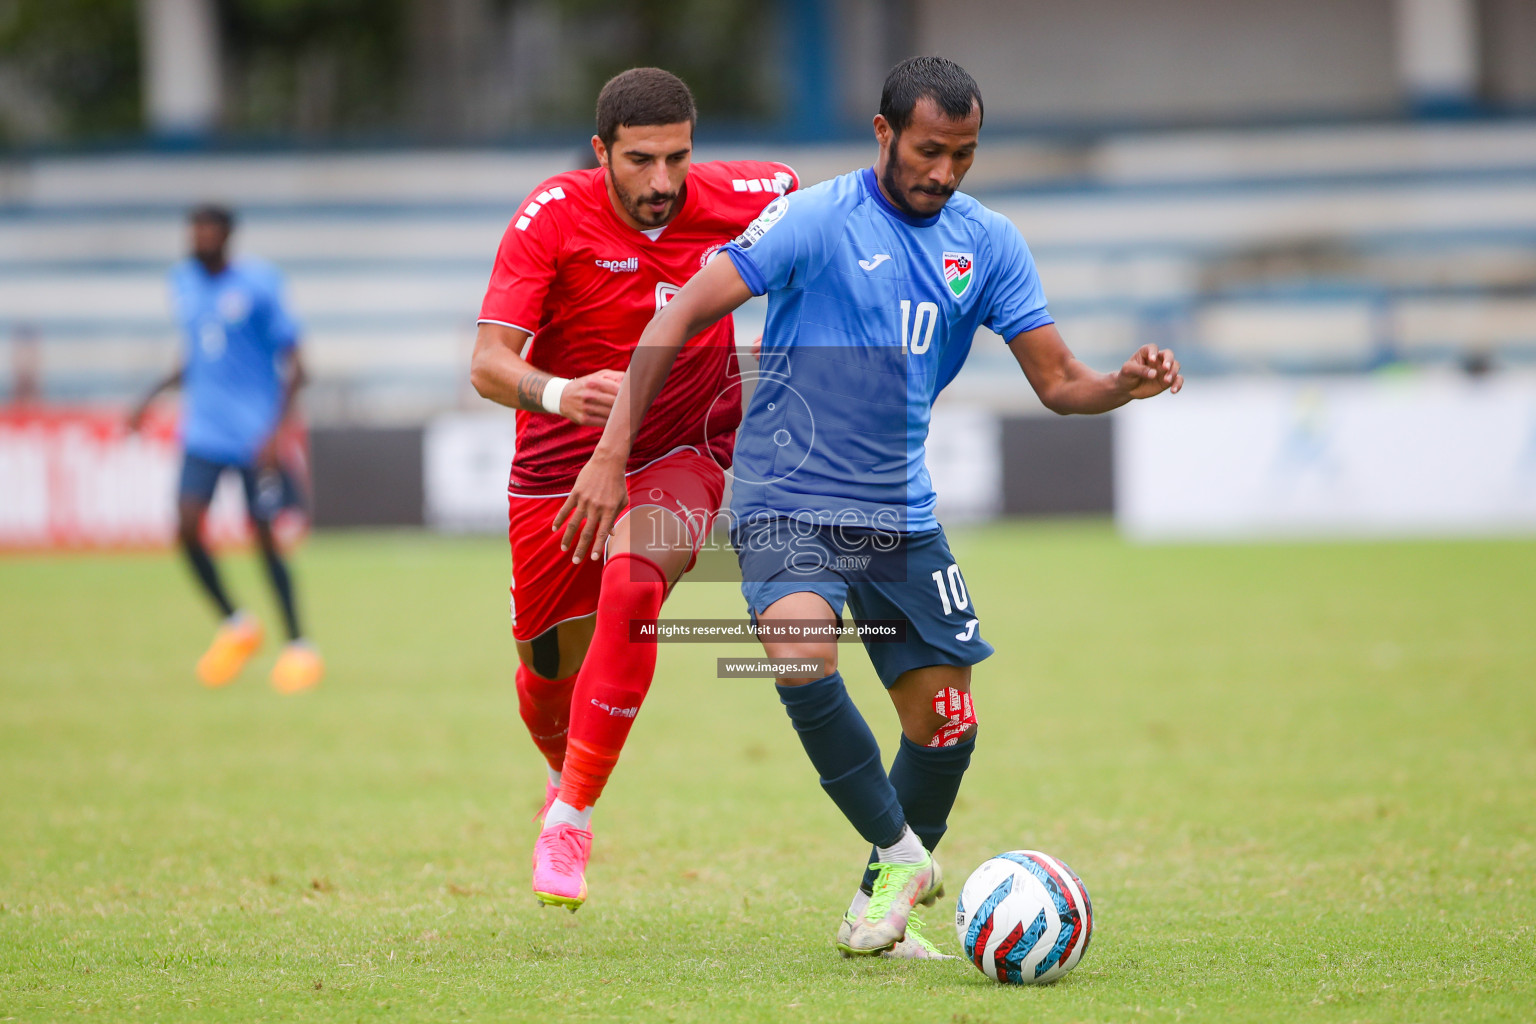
[1299, 782]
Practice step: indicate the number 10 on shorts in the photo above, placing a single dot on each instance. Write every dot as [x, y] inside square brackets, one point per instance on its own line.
[955, 588]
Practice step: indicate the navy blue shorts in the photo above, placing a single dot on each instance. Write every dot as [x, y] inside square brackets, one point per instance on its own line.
[879, 575]
[266, 492]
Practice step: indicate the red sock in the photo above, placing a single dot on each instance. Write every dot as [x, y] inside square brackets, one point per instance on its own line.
[545, 705]
[613, 679]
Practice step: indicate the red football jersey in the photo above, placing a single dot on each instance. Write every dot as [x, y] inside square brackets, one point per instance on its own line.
[584, 284]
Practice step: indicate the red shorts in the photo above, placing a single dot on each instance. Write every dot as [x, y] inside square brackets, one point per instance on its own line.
[547, 589]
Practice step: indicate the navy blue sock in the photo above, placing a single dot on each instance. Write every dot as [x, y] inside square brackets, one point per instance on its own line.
[846, 756]
[282, 584]
[207, 574]
[927, 780]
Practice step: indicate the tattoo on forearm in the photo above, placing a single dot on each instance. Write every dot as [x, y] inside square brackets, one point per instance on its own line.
[530, 390]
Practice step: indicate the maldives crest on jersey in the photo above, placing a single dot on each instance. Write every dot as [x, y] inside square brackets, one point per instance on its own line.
[959, 268]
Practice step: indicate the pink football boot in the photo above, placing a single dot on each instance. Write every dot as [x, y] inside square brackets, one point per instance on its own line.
[559, 862]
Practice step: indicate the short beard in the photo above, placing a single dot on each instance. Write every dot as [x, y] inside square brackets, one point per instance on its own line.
[898, 195]
[635, 210]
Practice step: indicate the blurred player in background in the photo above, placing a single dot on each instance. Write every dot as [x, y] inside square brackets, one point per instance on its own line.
[877, 281]
[239, 373]
[587, 261]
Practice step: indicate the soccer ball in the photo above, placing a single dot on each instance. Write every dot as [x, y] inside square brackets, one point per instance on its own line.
[1024, 918]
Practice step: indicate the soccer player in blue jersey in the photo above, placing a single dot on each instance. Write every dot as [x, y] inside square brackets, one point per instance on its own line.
[239, 373]
[876, 282]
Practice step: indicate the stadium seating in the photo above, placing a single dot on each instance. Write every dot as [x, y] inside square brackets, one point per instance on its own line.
[1289, 249]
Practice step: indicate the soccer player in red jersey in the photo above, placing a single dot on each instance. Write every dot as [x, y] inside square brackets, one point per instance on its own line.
[588, 259]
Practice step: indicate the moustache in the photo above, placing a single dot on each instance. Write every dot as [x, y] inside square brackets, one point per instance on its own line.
[659, 197]
[942, 193]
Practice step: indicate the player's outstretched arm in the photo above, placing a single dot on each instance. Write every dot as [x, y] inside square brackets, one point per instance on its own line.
[499, 372]
[136, 417]
[1066, 385]
[598, 496]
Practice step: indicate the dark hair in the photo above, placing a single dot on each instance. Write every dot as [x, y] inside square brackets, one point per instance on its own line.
[943, 81]
[643, 96]
[213, 213]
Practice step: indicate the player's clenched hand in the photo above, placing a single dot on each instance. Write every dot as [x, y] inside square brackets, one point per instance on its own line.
[593, 506]
[588, 400]
[1150, 372]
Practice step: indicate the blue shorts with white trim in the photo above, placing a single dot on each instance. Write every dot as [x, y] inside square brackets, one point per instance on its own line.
[878, 575]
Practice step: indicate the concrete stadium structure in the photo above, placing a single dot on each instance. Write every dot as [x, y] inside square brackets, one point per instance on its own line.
[1312, 223]
[1335, 248]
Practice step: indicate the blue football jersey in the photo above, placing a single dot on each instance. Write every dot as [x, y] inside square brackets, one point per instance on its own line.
[871, 313]
[236, 324]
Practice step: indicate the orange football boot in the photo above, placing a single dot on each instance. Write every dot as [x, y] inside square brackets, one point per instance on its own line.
[238, 638]
[298, 668]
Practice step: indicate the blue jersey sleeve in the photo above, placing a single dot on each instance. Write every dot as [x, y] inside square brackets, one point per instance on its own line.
[1018, 301]
[282, 325]
[789, 240]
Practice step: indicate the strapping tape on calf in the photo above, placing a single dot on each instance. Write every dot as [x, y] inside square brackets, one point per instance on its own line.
[958, 713]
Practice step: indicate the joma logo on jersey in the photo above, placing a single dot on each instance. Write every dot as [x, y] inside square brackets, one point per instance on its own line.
[959, 268]
[628, 266]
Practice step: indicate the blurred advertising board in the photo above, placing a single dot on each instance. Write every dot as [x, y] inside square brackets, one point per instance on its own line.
[466, 458]
[76, 478]
[1383, 456]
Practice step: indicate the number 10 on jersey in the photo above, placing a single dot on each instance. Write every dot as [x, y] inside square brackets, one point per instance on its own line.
[921, 335]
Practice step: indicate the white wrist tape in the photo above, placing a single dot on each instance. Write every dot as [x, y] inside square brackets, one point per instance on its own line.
[552, 392]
